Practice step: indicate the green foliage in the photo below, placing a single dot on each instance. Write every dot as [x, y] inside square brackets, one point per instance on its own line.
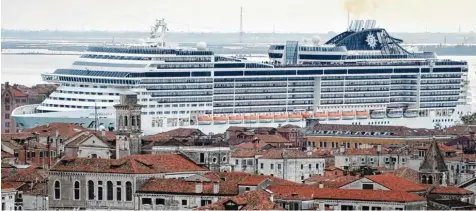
[469, 119]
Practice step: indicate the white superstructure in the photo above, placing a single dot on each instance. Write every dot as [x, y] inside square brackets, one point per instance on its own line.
[361, 76]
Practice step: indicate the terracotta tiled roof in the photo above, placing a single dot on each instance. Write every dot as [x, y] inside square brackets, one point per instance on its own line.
[464, 157]
[159, 185]
[229, 181]
[272, 138]
[393, 182]
[32, 144]
[460, 129]
[242, 129]
[133, 164]
[252, 200]
[35, 189]
[310, 192]
[331, 182]
[17, 136]
[291, 154]
[448, 190]
[407, 173]
[30, 174]
[6, 155]
[441, 146]
[252, 145]
[179, 132]
[400, 131]
[18, 93]
[245, 153]
[11, 185]
[64, 129]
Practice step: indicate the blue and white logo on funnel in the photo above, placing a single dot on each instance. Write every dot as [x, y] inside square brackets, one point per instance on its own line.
[371, 40]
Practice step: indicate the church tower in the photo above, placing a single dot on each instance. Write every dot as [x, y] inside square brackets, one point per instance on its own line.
[128, 126]
[433, 169]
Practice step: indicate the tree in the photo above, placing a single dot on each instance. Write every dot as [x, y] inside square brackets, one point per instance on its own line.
[469, 119]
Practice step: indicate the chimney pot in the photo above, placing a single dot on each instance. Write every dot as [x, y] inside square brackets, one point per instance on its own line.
[216, 187]
[198, 187]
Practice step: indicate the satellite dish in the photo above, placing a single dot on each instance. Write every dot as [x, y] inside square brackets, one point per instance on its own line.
[316, 39]
[201, 46]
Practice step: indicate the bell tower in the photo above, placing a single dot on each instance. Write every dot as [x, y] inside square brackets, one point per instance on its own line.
[433, 169]
[128, 125]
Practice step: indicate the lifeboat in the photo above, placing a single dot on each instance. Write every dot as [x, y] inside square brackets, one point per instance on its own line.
[264, 118]
[395, 113]
[320, 115]
[411, 113]
[281, 118]
[295, 117]
[348, 115]
[205, 120]
[306, 115]
[236, 119]
[334, 115]
[220, 120]
[362, 114]
[378, 114]
[251, 119]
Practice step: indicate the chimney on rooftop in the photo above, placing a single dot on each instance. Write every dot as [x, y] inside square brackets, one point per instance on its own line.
[342, 148]
[198, 187]
[321, 185]
[103, 133]
[216, 187]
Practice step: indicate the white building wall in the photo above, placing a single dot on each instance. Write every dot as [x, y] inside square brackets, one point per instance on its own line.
[243, 165]
[295, 170]
[8, 200]
[31, 202]
[358, 184]
[86, 152]
[385, 160]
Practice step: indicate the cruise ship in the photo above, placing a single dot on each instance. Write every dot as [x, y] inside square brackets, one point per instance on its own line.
[362, 76]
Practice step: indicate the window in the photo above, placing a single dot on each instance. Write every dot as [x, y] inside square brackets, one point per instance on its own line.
[147, 201]
[247, 189]
[109, 191]
[310, 166]
[317, 166]
[367, 186]
[279, 166]
[205, 202]
[272, 166]
[202, 157]
[184, 202]
[118, 193]
[57, 190]
[237, 162]
[7, 116]
[100, 190]
[365, 208]
[128, 191]
[76, 190]
[160, 201]
[7, 124]
[302, 166]
[90, 190]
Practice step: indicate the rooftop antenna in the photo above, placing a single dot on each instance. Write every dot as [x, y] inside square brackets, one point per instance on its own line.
[241, 25]
[348, 20]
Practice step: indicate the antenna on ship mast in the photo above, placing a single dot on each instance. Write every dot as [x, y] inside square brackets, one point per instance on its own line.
[241, 25]
[95, 117]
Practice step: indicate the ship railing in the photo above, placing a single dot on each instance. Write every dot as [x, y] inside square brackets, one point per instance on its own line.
[26, 109]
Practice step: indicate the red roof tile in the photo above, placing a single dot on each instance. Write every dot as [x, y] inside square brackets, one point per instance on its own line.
[310, 192]
[245, 153]
[252, 145]
[6, 155]
[159, 185]
[252, 200]
[133, 164]
[64, 129]
[30, 174]
[11, 185]
[176, 133]
[331, 182]
[449, 190]
[441, 146]
[229, 181]
[393, 182]
[272, 138]
[18, 93]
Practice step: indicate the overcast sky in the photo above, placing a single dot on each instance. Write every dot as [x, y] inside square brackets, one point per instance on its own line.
[300, 16]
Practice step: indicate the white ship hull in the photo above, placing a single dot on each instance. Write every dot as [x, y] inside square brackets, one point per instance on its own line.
[87, 119]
